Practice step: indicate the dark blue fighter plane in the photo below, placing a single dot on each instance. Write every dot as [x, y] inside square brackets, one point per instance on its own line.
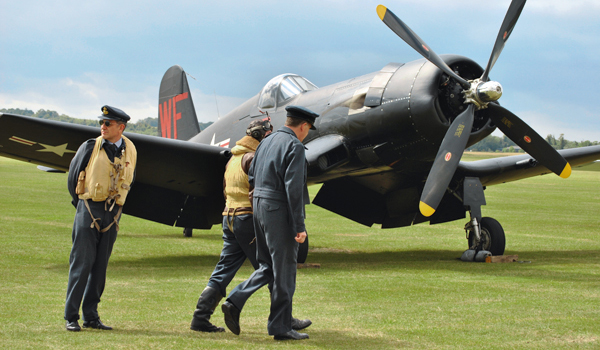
[386, 150]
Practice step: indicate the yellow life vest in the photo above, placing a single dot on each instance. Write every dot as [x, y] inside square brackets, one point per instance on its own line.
[106, 180]
[236, 184]
[236, 180]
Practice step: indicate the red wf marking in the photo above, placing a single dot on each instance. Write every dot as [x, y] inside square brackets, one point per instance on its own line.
[169, 116]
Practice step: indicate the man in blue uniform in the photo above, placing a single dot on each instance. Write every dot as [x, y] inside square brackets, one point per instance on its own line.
[238, 229]
[100, 176]
[278, 175]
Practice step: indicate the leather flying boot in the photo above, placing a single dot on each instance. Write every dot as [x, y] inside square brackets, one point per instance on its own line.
[208, 301]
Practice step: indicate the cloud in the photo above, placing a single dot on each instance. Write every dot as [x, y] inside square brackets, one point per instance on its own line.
[553, 116]
[82, 97]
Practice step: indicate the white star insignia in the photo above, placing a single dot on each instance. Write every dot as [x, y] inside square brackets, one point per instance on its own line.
[60, 149]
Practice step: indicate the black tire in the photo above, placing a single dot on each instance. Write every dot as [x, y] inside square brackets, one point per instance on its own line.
[492, 237]
[187, 232]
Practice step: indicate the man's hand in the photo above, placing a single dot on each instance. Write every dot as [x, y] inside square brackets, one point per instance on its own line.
[300, 237]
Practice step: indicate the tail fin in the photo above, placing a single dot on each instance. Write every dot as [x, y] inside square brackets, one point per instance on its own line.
[176, 114]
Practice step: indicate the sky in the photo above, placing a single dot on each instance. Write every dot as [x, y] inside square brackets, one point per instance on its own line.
[75, 56]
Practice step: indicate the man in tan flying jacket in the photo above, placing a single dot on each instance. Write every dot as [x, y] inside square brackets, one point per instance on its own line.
[100, 176]
[238, 229]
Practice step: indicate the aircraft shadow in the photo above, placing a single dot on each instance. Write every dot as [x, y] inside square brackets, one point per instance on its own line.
[529, 262]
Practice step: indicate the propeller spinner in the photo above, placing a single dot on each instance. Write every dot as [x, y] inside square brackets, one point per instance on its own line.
[478, 95]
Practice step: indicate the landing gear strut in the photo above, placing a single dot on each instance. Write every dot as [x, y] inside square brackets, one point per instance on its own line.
[482, 233]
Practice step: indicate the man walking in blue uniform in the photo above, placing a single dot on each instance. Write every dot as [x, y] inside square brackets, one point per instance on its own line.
[238, 228]
[278, 175]
[100, 176]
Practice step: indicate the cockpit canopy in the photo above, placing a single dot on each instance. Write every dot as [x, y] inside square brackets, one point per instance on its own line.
[282, 88]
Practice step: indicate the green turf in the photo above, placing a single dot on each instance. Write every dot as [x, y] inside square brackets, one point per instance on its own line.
[376, 289]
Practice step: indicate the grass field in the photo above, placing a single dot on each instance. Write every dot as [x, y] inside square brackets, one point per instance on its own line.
[376, 289]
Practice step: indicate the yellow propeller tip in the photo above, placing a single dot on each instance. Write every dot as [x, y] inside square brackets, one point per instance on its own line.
[566, 171]
[381, 10]
[425, 209]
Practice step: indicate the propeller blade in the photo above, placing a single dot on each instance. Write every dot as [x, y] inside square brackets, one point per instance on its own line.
[529, 140]
[512, 15]
[412, 39]
[446, 161]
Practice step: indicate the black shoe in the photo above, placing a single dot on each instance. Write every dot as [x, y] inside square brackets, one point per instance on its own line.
[291, 335]
[96, 324]
[73, 326]
[232, 317]
[300, 324]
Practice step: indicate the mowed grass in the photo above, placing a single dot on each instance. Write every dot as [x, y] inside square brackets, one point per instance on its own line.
[376, 289]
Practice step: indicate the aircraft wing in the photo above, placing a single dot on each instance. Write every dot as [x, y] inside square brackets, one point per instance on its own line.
[392, 198]
[177, 182]
[505, 169]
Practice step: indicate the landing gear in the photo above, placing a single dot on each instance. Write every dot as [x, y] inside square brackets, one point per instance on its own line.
[490, 236]
[187, 232]
[482, 233]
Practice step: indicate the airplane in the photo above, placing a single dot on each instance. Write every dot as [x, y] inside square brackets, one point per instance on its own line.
[387, 147]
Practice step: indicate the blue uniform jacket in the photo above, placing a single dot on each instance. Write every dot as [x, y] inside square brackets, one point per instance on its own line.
[278, 172]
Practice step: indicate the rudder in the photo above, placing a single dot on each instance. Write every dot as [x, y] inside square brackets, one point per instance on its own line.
[176, 114]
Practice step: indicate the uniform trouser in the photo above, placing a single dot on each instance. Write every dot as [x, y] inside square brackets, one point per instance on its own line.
[238, 244]
[89, 260]
[277, 253]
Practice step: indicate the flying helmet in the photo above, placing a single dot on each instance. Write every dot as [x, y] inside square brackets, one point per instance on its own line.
[259, 128]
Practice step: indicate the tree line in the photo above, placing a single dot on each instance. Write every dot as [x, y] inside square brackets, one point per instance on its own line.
[504, 144]
[149, 126]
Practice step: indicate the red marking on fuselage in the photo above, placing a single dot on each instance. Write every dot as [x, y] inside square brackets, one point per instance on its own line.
[23, 141]
[169, 116]
[527, 139]
[448, 156]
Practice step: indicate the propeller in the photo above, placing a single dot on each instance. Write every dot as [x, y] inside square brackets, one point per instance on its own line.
[512, 15]
[529, 140]
[478, 94]
[449, 154]
[412, 39]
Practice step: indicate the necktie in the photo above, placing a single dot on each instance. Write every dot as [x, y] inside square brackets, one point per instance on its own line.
[111, 150]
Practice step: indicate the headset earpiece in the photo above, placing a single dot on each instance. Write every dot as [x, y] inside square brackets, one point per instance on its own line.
[258, 131]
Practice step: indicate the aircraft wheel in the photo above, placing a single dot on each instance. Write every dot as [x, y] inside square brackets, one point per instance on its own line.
[492, 236]
[187, 232]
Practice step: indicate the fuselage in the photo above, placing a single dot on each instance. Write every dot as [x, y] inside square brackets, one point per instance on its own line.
[388, 120]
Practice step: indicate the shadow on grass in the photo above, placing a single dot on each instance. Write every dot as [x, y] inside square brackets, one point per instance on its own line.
[208, 236]
[540, 264]
[319, 338]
